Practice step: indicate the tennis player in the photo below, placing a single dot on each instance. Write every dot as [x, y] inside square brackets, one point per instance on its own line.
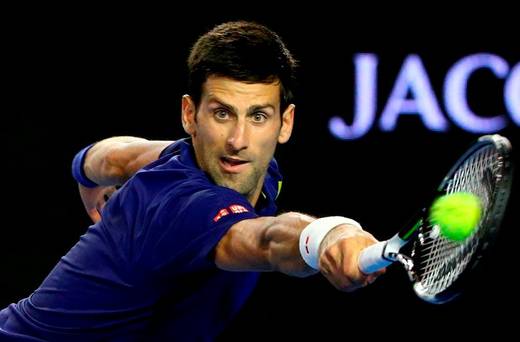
[176, 251]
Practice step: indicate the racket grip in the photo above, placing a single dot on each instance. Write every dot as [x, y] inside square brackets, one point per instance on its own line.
[372, 258]
[381, 254]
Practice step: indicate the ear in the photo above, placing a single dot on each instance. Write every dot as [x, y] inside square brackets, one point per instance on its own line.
[287, 124]
[188, 115]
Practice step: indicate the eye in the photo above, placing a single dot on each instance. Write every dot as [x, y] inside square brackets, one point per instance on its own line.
[221, 114]
[259, 117]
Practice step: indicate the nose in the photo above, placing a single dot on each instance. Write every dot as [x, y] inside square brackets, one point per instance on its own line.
[238, 139]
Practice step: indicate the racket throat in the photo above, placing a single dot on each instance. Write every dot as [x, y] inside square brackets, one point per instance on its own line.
[392, 254]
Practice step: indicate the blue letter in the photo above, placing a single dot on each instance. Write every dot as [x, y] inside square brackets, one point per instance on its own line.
[455, 92]
[512, 94]
[365, 100]
[413, 77]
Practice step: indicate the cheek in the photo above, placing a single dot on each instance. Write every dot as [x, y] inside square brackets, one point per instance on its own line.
[209, 135]
[268, 146]
[212, 141]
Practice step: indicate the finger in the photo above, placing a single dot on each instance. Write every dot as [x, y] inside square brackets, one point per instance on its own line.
[371, 278]
[351, 286]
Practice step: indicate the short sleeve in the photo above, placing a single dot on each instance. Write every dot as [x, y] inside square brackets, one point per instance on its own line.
[169, 149]
[188, 228]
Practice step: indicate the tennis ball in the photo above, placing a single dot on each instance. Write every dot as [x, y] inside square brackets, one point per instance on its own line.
[456, 214]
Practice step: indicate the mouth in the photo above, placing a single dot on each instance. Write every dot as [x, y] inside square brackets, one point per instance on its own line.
[233, 165]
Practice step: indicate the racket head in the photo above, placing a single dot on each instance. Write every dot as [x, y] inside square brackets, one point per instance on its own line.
[442, 268]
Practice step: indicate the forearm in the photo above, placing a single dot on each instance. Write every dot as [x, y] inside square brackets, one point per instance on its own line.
[284, 236]
[298, 245]
[112, 161]
[265, 244]
[282, 244]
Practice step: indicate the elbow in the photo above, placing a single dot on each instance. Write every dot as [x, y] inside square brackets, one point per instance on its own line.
[115, 164]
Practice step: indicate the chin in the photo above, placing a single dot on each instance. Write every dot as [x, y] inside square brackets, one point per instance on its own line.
[236, 187]
[233, 187]
[241, 183]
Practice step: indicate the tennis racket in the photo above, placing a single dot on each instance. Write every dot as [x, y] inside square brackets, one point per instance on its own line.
[438, 267]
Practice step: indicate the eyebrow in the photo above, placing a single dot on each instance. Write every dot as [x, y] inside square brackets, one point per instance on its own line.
[250, 110]
[257, 108]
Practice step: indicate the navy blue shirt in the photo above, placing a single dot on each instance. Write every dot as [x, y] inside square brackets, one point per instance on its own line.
[146, 271]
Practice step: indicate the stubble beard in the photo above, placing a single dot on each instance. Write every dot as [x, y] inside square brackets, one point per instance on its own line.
[243, 183]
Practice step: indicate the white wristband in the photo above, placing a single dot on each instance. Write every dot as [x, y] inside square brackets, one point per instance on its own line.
[311, 236]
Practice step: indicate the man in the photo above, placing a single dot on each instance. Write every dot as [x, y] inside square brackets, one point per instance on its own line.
[176, 251]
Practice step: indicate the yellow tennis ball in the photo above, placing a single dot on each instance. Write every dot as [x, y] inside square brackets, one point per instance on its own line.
[456, 214]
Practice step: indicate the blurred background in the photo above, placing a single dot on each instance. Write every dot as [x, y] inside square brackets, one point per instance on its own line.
[77, 75]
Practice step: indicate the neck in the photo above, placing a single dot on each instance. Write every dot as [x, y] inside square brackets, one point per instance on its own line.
[253, 196]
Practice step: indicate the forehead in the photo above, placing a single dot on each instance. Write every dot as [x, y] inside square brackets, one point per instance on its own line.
[241, 93]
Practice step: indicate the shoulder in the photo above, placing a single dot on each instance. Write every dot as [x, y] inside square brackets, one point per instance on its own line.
[209, 201]
[189, 224]
[175, 147]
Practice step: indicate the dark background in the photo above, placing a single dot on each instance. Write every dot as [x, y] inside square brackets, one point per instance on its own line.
[80, 75]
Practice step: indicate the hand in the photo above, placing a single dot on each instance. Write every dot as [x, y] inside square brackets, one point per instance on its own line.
[339, 253]
[94, 199]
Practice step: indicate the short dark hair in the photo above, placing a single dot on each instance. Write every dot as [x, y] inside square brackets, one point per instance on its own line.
[243, 51]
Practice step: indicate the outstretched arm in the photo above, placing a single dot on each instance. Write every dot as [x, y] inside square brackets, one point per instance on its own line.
[272, 244]
[109, 163]
[112, 161]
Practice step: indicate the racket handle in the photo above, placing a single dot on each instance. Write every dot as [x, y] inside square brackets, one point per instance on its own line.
[379, 255]
[371, 258]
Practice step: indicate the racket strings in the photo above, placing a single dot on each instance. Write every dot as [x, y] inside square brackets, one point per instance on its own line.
[438, 262]
[441, 262]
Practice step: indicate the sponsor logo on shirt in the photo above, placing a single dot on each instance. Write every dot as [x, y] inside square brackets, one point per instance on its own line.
[232, 209]
[237, 209]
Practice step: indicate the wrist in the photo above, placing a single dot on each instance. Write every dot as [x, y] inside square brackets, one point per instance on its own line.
[78, 171]
[312, 236]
